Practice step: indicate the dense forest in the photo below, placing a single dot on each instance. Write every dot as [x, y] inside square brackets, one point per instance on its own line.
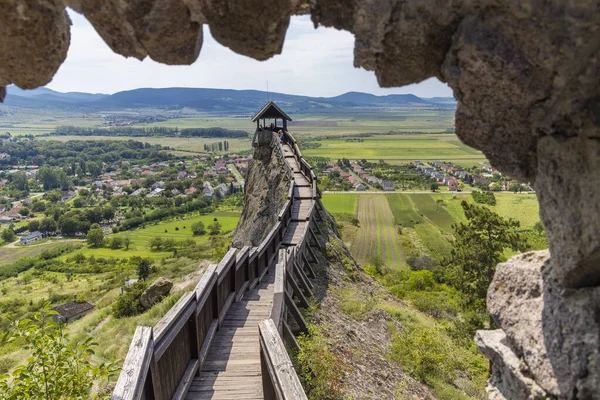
[215, 132]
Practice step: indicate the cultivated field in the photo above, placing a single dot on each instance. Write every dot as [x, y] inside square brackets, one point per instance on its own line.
[426, 220]
[398, 150]
[377, 234]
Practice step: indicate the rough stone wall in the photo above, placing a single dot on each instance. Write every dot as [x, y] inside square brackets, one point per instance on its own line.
[526, 74]
[266, 193]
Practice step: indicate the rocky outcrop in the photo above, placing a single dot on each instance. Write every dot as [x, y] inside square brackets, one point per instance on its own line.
[159, 289]
[549, 344]
[266, 192]
[526, 75]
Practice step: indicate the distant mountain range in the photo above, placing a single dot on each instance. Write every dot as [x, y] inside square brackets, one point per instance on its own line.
[226, 101]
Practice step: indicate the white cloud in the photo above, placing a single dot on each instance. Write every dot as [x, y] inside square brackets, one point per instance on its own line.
[313, 62]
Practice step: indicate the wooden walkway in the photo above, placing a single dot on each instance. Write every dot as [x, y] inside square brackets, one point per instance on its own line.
[232, 369]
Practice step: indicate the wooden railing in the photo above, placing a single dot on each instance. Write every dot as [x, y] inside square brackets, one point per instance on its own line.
[163, 360]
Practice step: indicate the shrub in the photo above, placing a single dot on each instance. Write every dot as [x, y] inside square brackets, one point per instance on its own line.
[421, 280]
[321, 370]
[425, 354]
[198, 228]
[436, 304]
[128, 304]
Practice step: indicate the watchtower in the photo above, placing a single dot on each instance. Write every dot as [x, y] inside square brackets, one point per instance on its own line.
[271, 112]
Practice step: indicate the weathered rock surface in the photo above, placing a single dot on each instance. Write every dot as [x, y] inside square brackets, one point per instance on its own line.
[549, 344]
[526, 75]
[159, 289]
[266, 191]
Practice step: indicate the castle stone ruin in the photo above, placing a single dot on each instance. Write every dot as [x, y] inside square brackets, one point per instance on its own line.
[526, 75]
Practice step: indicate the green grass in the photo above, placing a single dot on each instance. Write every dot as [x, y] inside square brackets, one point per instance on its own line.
[9, 255]
[340, 203]
[140, 237]
[523, 207]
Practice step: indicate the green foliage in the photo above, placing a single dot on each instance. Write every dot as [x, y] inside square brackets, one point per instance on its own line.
[198, 228]
[320, 369]
[9, 235]
[116, 242]
[424, 354]
[436, 304]
[378, 264]
[57, 369]
[214, 228]
[484, 197]
[95, 236]
[479, 247]
[142, 266]
[128, 304]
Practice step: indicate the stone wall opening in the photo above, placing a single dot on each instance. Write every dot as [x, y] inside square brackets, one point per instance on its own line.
[526, 75]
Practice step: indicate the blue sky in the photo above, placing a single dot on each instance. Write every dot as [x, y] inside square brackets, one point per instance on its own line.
[314, 63]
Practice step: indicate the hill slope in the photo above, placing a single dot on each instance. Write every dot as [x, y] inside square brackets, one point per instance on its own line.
[226, 101]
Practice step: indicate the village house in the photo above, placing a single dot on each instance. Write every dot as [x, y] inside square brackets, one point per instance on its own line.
[72, 311]
[158, 185]
[360, 187]
[388, 186]
[32, 237]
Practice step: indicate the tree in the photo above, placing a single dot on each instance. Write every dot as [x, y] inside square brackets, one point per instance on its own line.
[214, 228]
[20, 181]
[515, 187]
[142, 266]
[78, 202]
[47, 225]
[108, 212]
[24, 211]
[156, 243]
[198, 228]
[33, 226]
[57, 368]
[126, 242]
[434, 186]
[95, 236]
[53, 196]
[479, 247]
[116, 242]
[8, 235]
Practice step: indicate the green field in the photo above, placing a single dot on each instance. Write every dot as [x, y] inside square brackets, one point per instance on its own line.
[340, 203]
[426, 221]
[140, 237]
[398, 149]
[377, 234]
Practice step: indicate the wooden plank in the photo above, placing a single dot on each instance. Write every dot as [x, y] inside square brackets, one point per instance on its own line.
[208, 341]
[186, 381]
[226, 306]
[241, 256]
[177, 317]
[242, 291]
[303, 279]
[204, 287]
[308, 267]
[297, 292]
[280, 366]
[182, 306]
[225, 264]
[296, 314]
[135, 368]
